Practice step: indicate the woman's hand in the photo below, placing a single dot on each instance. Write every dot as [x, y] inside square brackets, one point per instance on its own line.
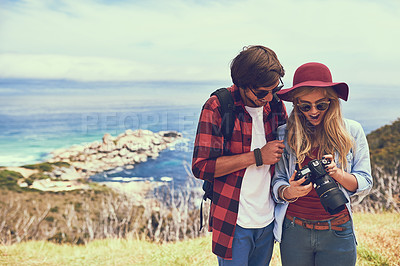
[333, 170]
[296, 190]
[347, 180]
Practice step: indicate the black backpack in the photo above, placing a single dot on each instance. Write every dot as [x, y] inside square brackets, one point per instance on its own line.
[227, 111]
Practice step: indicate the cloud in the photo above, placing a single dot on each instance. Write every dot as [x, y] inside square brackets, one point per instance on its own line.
[195, 40]
[70, 67]
[86, 68]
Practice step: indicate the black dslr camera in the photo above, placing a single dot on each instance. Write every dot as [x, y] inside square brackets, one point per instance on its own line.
[332, 198]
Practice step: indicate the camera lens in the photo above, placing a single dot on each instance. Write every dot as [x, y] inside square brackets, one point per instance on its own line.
[332, 198]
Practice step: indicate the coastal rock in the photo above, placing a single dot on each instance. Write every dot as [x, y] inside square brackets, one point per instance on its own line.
[131, 147]
[107, 139]
[123, 152]
[94, 145]
[64, 173]
[128, 148]
[170, 134]
[156, 141]
[140, 158]
[107, 147]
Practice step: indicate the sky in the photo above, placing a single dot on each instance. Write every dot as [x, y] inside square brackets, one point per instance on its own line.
[194, 40]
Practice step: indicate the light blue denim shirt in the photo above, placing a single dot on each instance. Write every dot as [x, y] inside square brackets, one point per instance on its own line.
[358, 164]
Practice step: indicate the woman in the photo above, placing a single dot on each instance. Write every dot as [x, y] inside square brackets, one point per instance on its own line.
[308, 233]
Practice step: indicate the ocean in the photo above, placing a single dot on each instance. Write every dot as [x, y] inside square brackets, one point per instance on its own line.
[39, 116]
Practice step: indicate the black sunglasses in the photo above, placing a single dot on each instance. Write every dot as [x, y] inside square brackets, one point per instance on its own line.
[263, 94]
[305, 107]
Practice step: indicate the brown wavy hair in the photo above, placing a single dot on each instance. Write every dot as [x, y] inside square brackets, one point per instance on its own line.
[256, 66]
[330, 136]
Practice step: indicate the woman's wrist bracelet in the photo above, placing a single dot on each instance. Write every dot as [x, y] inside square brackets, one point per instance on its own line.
[283, 197]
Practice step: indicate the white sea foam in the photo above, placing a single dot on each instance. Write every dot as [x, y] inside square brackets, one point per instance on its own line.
[166, 179]
[115, 170]
[126, 179]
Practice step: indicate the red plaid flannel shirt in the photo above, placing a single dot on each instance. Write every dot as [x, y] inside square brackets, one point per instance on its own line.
[209, 146]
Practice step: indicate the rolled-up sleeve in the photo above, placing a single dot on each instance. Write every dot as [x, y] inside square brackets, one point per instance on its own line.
[361, 163]
[208, 145]
[280, 179]
[281, 176]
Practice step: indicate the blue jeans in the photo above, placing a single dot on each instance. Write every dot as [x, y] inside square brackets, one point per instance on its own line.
[251, 246]
[302, 246]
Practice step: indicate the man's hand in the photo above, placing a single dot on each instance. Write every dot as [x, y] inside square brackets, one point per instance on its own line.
[272, 152]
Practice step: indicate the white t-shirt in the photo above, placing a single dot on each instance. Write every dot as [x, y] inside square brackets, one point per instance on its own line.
[256, 206]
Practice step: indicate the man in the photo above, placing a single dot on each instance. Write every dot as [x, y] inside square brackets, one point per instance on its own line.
[242, 210]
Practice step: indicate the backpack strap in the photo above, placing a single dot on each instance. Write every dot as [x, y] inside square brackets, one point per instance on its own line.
[227, 111]
[277, 117]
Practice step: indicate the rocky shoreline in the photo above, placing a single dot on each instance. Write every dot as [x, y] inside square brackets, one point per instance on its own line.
[83, 161]
[126, 149]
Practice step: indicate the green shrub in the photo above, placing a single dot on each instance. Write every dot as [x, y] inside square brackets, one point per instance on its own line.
[38, 176]
[59, 238]
[9, 179]
[54, 209]
[43, 167]
[10, 175]
[46, 167]
[78, 206]
[29, 181]
[61, 164]
[49, 219]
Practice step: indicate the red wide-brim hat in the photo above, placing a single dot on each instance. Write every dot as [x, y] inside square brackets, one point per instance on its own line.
[314, 75]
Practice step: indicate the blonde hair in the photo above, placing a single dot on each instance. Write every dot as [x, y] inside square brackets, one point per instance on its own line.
[330, 136]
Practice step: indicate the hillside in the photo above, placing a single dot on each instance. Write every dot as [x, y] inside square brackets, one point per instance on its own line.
[384, 144]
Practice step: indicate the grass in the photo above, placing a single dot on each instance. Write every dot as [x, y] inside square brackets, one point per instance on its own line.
[110, 252]
[8, 179]
[378, 236]
[46, 167]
